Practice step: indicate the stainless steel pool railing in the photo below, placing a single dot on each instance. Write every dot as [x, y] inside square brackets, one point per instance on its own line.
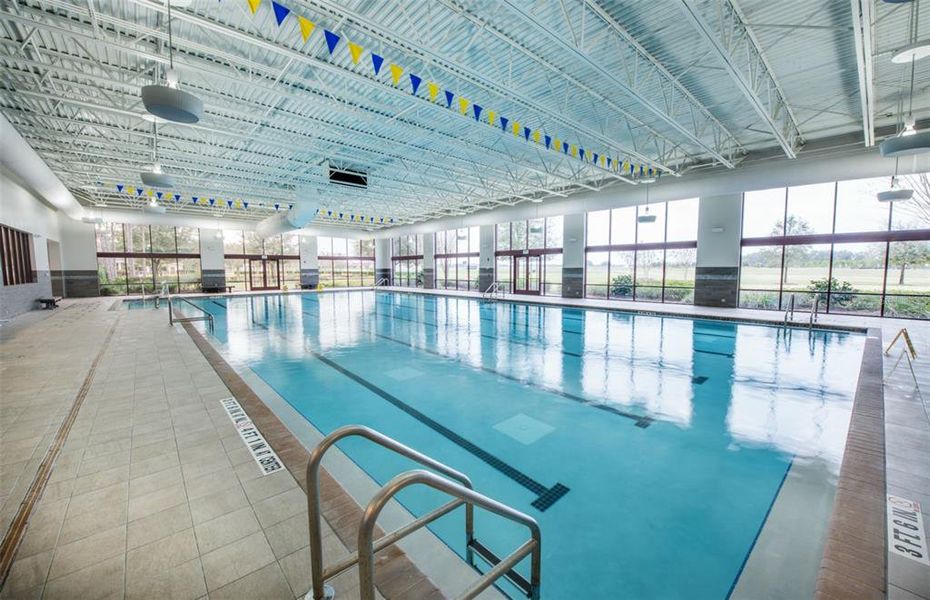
[172, 319]
[382, 282]
[463, 494]
[815, 307]
[789, 314]
[494, 290]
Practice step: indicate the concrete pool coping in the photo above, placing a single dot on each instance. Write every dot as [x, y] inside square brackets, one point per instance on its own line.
[854, 562]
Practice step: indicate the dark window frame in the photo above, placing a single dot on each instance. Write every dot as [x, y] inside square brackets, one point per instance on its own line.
[16, 255]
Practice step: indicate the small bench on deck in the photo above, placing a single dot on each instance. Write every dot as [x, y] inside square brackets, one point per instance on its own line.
[49, 303]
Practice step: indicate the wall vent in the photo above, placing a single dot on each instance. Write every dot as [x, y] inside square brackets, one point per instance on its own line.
[348, 177]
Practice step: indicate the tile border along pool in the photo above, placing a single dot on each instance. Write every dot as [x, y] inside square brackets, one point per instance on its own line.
[854, 562]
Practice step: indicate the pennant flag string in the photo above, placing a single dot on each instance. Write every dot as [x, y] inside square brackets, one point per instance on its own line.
[477, 110]
[280, 12]
[332, 40]
[433, 90]
[449, 97]
[306, 27]
[396, 72]
[376, 62]
[253, 5]
[415, 83]
[356, 52]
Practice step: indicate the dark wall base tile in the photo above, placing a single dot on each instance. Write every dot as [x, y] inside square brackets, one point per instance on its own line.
[309, 278]
[572, 282]
[716, 286]
[429, 279]
[81, 284]
[485, 278]
[383, 274]
[213, 279]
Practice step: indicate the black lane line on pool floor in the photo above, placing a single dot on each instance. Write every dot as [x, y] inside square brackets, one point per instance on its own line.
[546, 496]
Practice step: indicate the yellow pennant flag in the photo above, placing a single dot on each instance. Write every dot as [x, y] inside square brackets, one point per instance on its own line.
[150, 193]
[574, 150]
[306, 25]
[536, 136]
[253, 4]
[433, 89]
[396, 72]
[603, 160]
[463, 105]
[516, 128]
[491, 116]
[130, 190]
[356, 51]
[556, 145]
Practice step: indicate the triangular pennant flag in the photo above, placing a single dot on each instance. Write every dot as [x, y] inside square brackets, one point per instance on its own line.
[477, 110]
[306, 27]
[504, 121]
[536, 136]
[119, 187]
[177, 197]
[332, 40]
[245, 205]
[329, 213]
[355, 51]
[548, 139]
[632, 170]
[526, 133]
[415, 83]
[603, 160]
[139, 191]
[491, 116]
[149, 192]
[556, 145]
[290, 206]
[449, 97]
[229, 203]
[212, 201]
[280, 12]
[340, 215]
[609, 160]
[433, 90]
[596, 157]
[253, 5]
[194, 199]
[516, 128]
[574, 150]
[277, 206]
[582, 154]
[396, 72]
[463, 104]
[376, 62]
[564, 147]
[159, 194]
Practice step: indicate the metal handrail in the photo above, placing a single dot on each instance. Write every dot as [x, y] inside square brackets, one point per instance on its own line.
[815, 305]
[383, 280]
[789, 314]
[319, 589]
[171, 318]
[494, 288]
[367, 547]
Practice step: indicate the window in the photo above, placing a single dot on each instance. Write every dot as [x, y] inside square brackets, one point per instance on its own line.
[837, 240]
[457, 252]
[407, 260]
[646, 252]
[346, 262]
[540, 237]
[133, 258]
[16, 250]
[241, 248]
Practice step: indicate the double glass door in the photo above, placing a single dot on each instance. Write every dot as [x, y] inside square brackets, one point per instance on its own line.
[264, 274]
[527, 275]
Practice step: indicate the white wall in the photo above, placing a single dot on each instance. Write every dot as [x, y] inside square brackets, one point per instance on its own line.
[719, 248]
[211, 250]
[78, 245]
[573, 240]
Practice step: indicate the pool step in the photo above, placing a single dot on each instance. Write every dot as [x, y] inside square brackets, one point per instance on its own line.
[492, 559]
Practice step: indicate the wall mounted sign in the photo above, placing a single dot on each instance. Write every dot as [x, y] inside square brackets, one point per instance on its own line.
[267, 460]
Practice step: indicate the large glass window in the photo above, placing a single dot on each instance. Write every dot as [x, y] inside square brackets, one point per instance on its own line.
[242, 249]
[407, 260]
[457, 252]
[836, 240]
[346, 262]
[541, 237]
[133, 258]
[645, 252]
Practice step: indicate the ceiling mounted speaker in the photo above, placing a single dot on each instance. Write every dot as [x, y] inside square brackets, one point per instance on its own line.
[895, 195]
[906, 145]
[647, 218]
[172, 104]
[155, 179]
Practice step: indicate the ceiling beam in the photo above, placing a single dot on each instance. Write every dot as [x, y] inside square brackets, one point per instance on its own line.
[862, 29]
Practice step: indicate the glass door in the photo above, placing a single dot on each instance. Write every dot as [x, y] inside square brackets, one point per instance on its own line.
[527, 275]
[264, 274]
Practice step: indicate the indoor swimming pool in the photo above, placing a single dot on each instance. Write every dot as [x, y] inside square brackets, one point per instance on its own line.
[663, 457]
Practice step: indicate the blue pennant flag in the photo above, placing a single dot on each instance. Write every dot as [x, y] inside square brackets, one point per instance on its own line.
[392, 219]
[177, 197]
[119, 187]
[596, 157]
[341, 215]
[504, 121]
[229, 203]
[609, 160]
[477, 110]
[526, 133]
[277, 206]
[642, 171]
[212, 201]
[564, 147]
[352, 218]
[329, 213]
[581, 150]
[382, 219]
[372, 219]
[159, 194]
[139, 191]
[245, 204]
[290, 206]
[331, 40]
[449, 97]
[376, 62]
[415, 83]
[548, 139]
[280, 12]
[194, 199]
[632, 170]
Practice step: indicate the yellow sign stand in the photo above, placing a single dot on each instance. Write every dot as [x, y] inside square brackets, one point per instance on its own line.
[909, 351]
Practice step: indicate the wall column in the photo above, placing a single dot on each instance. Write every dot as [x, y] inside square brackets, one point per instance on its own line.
[485, 257]
[716, 281]
[309, 263]
[212, 265]
[429, 261]
[79, 258]
[573, 256]
[383, 260]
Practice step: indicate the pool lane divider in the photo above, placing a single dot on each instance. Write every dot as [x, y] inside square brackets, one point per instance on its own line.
[545, 496]
[17, 529]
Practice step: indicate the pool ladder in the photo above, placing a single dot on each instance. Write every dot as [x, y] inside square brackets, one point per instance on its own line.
[815, 311]
[462, 493]
[494, 291]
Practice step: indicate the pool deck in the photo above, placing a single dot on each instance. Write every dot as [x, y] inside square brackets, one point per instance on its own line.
[123, 476]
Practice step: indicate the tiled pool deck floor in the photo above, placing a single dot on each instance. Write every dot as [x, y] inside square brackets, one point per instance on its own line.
[154, 495]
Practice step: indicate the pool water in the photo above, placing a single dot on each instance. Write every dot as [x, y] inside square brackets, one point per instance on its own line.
[655, 452]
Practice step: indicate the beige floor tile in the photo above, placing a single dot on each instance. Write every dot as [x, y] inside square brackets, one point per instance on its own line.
[108, 498]
[180, 582]
[29, 572]
[102, 479]
[156, 501]
[154, 558]
[288, 535]
[283, 506]
[89, 523]
[159, 525]
[88, 551]
[101, 580]
[269, 485]
[211, 483]
[226, 529]
[236, 560]
[217, 504]
[266, 583]
[141, 486]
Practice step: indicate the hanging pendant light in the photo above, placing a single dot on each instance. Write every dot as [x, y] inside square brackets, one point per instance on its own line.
[646, 218]
[169, 101]
[155, 177]
[897, 192]
[908, 141]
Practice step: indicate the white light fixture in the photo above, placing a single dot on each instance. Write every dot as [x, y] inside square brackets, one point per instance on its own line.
[646, 218]
[169, 101]
[895, 193]
[154, 207]
[912, 52]
[909, 140]
[155, 177]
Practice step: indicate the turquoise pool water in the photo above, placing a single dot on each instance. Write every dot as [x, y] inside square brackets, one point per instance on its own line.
[651, 450]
